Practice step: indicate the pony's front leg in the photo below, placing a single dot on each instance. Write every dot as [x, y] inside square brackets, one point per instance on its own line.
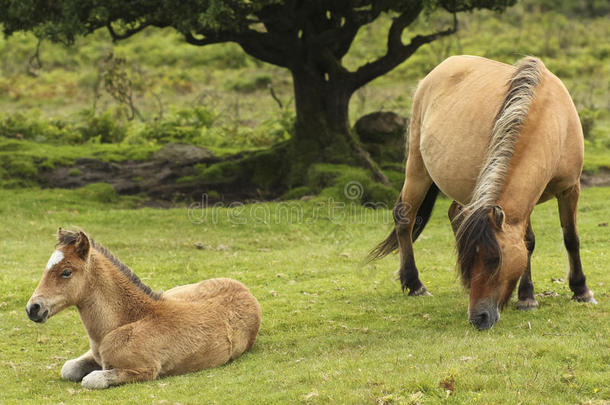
[76, 369]
[527, 300]
[106, 378]
[568, 202]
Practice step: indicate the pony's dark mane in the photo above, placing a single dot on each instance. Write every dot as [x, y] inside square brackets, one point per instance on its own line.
[475, 236]
[70, 238]
[127, 272]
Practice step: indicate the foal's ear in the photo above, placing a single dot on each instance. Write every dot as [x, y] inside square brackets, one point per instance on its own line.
[497, 213]
[61, 234]
[82, 245]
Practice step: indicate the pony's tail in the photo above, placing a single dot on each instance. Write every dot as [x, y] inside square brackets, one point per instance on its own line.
[424, 212]
[386, 247]
[390, 243]
[473, 232]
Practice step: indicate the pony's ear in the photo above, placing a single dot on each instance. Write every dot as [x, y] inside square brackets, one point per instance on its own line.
[82, 245]
[497, 214]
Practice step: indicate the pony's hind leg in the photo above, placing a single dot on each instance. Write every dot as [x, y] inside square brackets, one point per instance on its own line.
[568, 202]
[76, 369]
[405, 214]
[526, 287]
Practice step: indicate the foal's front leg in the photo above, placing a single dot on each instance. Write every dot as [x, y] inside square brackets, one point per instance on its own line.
[126, 358]
[76, 369]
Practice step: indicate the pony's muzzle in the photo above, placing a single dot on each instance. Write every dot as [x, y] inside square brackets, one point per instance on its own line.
[484, 317]
[37, 311]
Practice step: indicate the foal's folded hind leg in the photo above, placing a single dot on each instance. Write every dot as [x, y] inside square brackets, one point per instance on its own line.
[106, 378]
[76, 369]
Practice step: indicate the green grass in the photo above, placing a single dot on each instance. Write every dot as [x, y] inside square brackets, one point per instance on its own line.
[333, 331]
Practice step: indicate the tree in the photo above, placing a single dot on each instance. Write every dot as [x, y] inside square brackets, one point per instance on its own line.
[308, 37]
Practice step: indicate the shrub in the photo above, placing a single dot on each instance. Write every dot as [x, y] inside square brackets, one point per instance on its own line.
[182, 126]
[33, 128]
[105, 127]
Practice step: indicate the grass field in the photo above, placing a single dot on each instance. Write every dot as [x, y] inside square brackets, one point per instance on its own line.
[333, 331]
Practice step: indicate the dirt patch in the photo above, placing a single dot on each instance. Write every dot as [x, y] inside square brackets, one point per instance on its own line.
[179, 172]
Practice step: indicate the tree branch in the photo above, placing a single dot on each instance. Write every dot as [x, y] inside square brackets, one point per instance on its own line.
[206, 40]
[397, 52]
[116, 36]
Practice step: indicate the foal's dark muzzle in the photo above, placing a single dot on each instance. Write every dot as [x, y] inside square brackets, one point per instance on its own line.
[37, 311]
[484, 316]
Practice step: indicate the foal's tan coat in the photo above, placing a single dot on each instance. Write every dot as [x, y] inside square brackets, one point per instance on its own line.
[137, 335]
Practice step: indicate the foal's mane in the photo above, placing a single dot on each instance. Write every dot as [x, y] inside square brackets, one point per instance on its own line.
[69, 238]
[475, 233]
[127, 272]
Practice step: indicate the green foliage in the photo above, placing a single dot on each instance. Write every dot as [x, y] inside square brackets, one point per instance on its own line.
[587, 120]
[22, 161]
[31, 127]
[17, 172]
[185, 125]
[105, 128]
[249, 84]
[100, 192]
[585, 8]
[349, 185]
[186, 78]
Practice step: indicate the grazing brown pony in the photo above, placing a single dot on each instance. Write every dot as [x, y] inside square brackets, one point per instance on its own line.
[497, 139]
[137, 334]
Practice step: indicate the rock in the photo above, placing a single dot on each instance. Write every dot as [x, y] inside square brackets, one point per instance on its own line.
[600, 178]
[182, 155]
[381, 127]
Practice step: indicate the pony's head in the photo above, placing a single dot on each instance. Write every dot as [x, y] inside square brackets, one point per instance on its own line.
[64, 280]
[492, 256]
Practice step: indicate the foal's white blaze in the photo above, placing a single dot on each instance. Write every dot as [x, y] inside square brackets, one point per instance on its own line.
[55, 258]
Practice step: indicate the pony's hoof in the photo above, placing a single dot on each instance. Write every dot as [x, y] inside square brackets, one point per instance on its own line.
[527, 304]
[95, 380]
[421, 291]
[585, 297]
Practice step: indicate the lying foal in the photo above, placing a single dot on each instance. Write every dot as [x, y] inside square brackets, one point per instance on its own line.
[135, 333]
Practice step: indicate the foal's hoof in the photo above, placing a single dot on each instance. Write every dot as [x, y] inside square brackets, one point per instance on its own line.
[421, 291]
[71, 371]
[585, 297]
[96, 380]
[527, 304]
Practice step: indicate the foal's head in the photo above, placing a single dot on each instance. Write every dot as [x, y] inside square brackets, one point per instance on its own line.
[64, 280]
[492, 257]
